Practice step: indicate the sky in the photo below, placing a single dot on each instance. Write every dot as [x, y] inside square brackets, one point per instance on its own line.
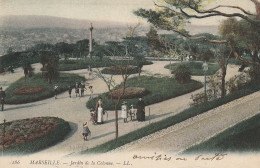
[99, 10]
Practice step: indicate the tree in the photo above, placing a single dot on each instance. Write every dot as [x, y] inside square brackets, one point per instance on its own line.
[26, 65]
[110, 82]
[50, 62]
[246, 38]
[172, 15]
[155, 42]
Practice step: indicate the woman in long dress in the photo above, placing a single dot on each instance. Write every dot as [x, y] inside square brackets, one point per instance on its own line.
[124, 111]
[140, 115]
[99, 111]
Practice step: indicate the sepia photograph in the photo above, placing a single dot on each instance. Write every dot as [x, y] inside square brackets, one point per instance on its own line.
[129, 83]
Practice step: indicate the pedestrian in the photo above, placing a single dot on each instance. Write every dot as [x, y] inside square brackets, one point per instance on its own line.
[124, 111]
[140, 115]
[90, 92]
[56, 91]
[99, 111]
[82, 88]
[132, 112]
[2, 98]
[70, 90]
[86, 131]
[77, 89]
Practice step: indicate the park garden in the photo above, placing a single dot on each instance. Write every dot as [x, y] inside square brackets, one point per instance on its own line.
[121, 66]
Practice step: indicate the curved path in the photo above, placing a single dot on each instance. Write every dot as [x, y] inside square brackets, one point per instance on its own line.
[74, 110]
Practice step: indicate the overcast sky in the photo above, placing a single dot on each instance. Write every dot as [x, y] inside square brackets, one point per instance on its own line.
[109, 10]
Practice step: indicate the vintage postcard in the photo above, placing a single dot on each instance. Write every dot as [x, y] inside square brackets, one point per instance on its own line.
[129, 83]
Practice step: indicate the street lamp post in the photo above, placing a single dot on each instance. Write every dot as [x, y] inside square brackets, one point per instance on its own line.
[205, 69]
[2, 116]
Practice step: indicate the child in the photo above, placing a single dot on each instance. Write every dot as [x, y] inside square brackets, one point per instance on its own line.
[86, 131]
[55, 91]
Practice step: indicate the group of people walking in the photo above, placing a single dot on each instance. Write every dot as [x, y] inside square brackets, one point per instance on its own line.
[138, 113]
[80, 89]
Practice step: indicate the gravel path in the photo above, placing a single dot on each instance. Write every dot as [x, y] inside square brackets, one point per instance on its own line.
[74, 111]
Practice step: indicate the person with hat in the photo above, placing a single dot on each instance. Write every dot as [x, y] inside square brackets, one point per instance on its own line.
[132, 112]
[90, 92]
[86, 131]
[124, 111]
[99, 111]
[82, 88]
[140, 114]
[2, 96]
[77, 89]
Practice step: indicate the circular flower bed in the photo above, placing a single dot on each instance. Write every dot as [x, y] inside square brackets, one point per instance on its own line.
[130, 93]
[118, 70]
[29, 131]
[29, 90]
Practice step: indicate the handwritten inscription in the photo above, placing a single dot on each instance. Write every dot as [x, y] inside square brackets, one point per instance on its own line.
[160, 157]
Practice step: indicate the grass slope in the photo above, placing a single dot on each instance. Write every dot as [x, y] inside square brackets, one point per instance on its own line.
[160, 89]
[196, 68]
[243, 137]
[63, 81]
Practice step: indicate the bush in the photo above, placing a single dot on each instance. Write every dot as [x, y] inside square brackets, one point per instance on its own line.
[130, 93]
[119, 70]
[182, 73]
[196, 68]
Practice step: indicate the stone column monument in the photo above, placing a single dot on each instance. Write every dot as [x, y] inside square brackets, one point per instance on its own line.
[90, 41]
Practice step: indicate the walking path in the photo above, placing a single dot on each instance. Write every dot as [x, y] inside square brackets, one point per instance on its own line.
[75, 112]
[195, 130]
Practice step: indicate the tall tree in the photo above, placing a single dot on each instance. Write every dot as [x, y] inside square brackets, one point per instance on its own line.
[155, 42]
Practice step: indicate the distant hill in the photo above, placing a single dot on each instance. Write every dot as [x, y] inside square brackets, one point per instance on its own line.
[33, 21]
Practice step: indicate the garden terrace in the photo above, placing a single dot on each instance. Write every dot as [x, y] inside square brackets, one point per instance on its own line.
[20, 92]
[31, 135]
[159, 88]
[196, 68]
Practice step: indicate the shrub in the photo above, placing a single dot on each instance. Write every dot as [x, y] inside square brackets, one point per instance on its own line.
[130, 92]
[118, 70]
[182, 73]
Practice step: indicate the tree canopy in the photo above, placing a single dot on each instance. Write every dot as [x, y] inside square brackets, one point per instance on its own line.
[173, 15]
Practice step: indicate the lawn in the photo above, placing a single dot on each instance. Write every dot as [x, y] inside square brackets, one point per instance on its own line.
[196, 68]
[34, 141]
[243, 137]
[67, 65]
[63, 81]
[186, 114]
[159, 89]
